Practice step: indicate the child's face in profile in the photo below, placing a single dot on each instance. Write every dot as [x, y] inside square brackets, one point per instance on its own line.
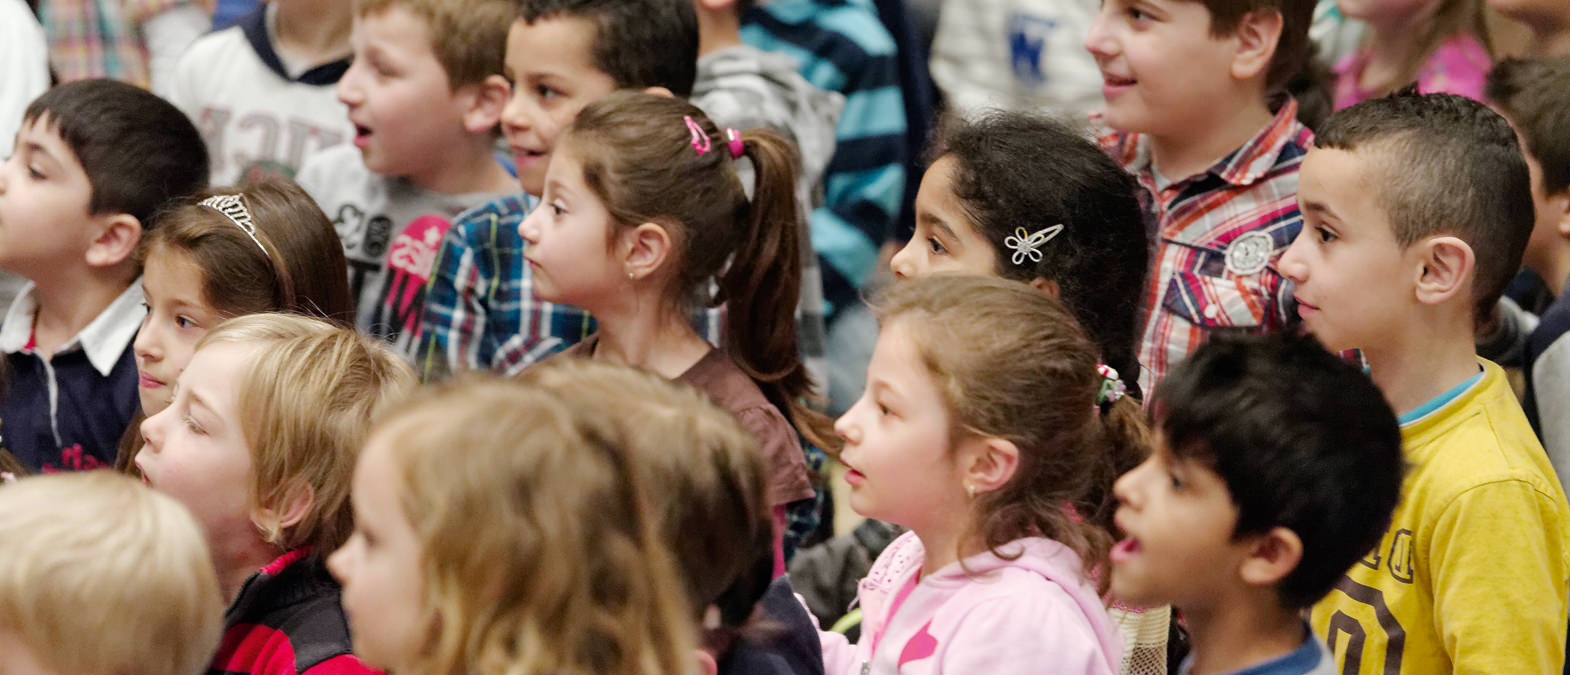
[900, 465]
[568, 235]
[553, 77]
[44, 195]
[946, 239]
[1178, 518]
[379, 566]
[196, 450]
[177, 317]
[1162, 71]
[1352, 280]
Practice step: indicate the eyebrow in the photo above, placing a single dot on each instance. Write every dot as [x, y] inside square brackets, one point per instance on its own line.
[1317, 207]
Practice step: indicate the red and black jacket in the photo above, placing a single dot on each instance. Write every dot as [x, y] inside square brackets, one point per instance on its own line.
[287, 621]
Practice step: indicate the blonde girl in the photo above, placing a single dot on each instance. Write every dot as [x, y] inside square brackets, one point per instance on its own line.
[229, 252]
[1441, 45]
[499, 530]
[981, 424]
[260, 442]
[643, 218]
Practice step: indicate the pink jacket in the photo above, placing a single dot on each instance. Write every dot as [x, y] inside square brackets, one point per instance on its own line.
[1034, 614]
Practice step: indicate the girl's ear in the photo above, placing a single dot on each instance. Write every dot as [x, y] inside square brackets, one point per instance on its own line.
[706, 663]
[1048, 286]
[990, 462]
[645, 249]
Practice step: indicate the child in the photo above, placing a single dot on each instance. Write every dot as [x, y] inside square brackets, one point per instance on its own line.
[101, 575]
[641, 209]
[1070, 227]
[1532, 96]
[261, 91]
[1257, 498]
[1202, 122]
[261, 248]
[260, 443]
[1394, 260]
[481, 312]
[1548, 21]
[567, 575]
[984, 419]
[1442, 45]
[707, 488]
[424, 93]
[96, 161]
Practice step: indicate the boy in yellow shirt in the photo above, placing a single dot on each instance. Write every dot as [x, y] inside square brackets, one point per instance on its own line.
[1416, 210]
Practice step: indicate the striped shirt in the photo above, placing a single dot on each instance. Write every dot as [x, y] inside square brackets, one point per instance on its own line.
[1217, 237]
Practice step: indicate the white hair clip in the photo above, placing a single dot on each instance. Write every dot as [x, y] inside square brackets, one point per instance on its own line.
[234, 208]
[1028, 245]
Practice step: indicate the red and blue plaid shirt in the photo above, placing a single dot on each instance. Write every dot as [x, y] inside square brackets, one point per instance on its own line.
[1216, 237]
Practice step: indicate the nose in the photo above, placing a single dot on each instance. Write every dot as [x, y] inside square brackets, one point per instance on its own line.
[153, 430]
[529, 228]
[147, 347]
[1125, 488]
[337, 562]
[1098, 40]
[348, 89]
[1291, 264]
[515, 118]
[846, 428]
[903, 262]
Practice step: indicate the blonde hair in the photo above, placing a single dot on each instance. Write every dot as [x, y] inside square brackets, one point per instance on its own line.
[1012, 363]
[539, 553]
[469, 37]
[96, 554]
[707, 480]
[307, 396]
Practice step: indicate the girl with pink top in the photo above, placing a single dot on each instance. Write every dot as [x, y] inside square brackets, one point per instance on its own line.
[1442, 45]
[985, 418]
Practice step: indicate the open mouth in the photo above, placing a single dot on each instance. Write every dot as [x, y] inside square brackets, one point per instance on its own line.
[1125, 550]
[1116, 81]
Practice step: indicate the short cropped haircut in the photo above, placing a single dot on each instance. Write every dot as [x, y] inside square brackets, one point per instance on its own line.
[1535, 96]
[1292, 48]
[1302, 439]
[309, 393]
[639, 43]
[1443, 164]
[139, 151]
[100, 574]
[469, 37]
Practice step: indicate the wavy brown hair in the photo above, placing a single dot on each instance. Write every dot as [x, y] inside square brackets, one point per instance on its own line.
[1012, 363]
[539, 550]
[638, 159]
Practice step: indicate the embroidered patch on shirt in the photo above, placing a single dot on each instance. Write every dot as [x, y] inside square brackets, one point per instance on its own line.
[1249, 253]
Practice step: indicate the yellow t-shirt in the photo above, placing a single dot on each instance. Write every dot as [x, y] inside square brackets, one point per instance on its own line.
[1473, 574]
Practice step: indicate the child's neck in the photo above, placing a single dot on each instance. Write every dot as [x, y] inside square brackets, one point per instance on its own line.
[237, 557]
[1434, 354]
[467, 168]
[1237, 635]
[1388, 46]
[1193, 150]
[68, 302]
[717, 29]
[945, 539]
[644, 335]
[1549, 40]
[1553, 268]
[314, 31]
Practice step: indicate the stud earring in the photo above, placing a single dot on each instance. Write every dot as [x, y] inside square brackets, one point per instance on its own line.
[970, 489]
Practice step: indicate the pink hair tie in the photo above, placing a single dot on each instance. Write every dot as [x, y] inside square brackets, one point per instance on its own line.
[737, 148]
[700, 140]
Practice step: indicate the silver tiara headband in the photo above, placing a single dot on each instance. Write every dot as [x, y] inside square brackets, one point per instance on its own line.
[1028, 245]
[231, 206]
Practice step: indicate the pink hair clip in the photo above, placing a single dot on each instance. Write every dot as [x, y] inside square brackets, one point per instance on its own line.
[700, 140]
[737, 147]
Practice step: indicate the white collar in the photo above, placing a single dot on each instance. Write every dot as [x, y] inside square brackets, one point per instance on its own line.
[104, 339]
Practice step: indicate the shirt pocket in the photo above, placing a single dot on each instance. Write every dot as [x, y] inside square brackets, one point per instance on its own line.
[1225, 301]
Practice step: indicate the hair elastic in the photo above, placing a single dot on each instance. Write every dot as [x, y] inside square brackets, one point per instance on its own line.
[700, 140]
[1028, 245]
[232, 207]
[737, 147]
[1112, 387]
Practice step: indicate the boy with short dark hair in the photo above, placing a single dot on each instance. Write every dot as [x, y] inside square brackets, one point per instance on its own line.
[1195, 96]
[1257, 498]
[480, 310]
[1416, 210]
[1533, 96]
[95, 162]
[425, 92]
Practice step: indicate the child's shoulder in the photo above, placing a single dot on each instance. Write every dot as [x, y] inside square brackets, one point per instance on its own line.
[1480, 437]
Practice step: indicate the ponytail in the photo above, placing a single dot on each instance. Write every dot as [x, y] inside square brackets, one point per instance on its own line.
[1127, 441]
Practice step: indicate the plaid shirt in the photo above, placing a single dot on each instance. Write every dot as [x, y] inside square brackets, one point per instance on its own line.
[99, 38]
[1218, 235]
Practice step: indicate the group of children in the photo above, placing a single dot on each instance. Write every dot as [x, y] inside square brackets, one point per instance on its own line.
[1207, 372]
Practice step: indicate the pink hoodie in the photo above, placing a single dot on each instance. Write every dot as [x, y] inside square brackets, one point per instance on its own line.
[1034, 614]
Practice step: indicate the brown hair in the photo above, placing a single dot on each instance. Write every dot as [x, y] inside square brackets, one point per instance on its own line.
[469, 37]
[1453, 17]
[638, 159]
[707, 481]
[567, 575]
[1292, 48]
[308, 394]
[1012, 364]
[298, 268]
